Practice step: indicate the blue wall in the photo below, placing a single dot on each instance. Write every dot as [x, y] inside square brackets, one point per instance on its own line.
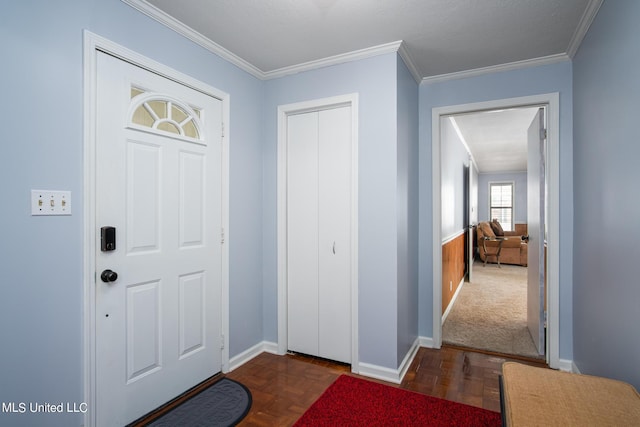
[41, 308]
[453, 157]
[501, 85]
[44, 255]
[407, 194]
[520, 192]
[374, 79]
[606, 292]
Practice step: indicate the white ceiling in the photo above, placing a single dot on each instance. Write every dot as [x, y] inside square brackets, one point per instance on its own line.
[497, 139]
[437, 39]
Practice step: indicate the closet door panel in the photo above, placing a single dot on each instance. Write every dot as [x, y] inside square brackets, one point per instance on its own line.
[334, 195]
[302, 233]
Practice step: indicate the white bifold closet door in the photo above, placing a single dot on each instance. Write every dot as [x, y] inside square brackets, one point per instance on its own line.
[319, 233]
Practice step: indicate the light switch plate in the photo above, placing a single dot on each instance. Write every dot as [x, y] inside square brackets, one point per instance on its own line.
[48, 202]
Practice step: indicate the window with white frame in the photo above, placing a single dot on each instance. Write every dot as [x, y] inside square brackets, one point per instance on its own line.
[501, 203]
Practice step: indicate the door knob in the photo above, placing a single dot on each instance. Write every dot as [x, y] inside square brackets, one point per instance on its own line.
[109, 276]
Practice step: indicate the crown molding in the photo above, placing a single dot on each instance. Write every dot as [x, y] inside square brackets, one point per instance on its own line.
[397, 46]
[534, 62]
[408, 60]
[188, 32]
[334, 60]
[177, 26]
[585, 22]
[454, 123]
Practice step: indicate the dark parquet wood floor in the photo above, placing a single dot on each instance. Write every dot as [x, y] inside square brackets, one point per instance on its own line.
[283, 387]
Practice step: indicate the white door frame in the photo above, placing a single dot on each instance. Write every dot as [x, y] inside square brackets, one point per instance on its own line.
[283, 112]
[552, 102]
[92, 44]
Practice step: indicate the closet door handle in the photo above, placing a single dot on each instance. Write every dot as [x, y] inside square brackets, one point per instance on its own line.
[334, 247]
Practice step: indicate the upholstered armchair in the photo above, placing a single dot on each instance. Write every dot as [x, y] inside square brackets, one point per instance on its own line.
[514, 247]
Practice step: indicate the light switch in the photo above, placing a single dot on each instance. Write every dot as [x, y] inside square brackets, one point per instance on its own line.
[47, 202]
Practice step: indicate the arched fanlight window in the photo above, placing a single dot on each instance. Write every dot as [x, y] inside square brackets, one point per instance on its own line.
[165, 115]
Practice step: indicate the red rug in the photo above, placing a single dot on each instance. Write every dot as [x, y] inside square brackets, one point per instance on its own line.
[351, 401]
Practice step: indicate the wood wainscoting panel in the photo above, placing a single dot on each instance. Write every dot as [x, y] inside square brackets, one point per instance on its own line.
[521, 229]
[453, 253]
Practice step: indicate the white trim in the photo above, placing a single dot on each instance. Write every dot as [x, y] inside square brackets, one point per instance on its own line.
[283, 112]
[180, 28]
[453, 300]
[426, 342]
[409, 62]
[503, 172]
[252, 352]
[188, 32]
[89, 238]
[517, 65]
[408, 359]
[452, 236]
[585, 22]
[334, 60]
[92, 44]
[398, 46]
[394, 376]
[574, 367]
[552, 102]
[380, 373]
[567, 365]
[454, 123]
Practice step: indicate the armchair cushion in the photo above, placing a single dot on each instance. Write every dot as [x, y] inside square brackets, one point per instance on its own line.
[497, 228]
[486, 229]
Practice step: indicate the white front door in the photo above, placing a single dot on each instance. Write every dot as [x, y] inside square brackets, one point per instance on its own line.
[158, 184]
[536, 229]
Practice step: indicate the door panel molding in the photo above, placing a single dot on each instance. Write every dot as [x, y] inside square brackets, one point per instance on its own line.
[283, 112]
[552, 102]
[92, 44]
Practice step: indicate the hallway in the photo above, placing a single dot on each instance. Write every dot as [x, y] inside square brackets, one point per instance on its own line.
[490, 313]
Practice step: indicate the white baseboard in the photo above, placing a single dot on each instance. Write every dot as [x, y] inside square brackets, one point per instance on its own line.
[568, 366]
[380, 373]
[426, 342]
[387, 374]
[394, 376]
[242, 358]
[408, 358]
[575, 368]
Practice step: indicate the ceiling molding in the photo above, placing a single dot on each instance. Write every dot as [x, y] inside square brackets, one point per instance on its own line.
[452, 119]
[334, 60]
[502, 172]
[177, 26]
[408, 61]
[397, 46]
[585, 22]
[545, 60]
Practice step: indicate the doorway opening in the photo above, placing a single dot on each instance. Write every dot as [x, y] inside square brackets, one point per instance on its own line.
[489, 310]
[441, 215]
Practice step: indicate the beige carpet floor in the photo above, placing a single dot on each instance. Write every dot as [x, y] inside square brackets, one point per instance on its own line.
[490, 313]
